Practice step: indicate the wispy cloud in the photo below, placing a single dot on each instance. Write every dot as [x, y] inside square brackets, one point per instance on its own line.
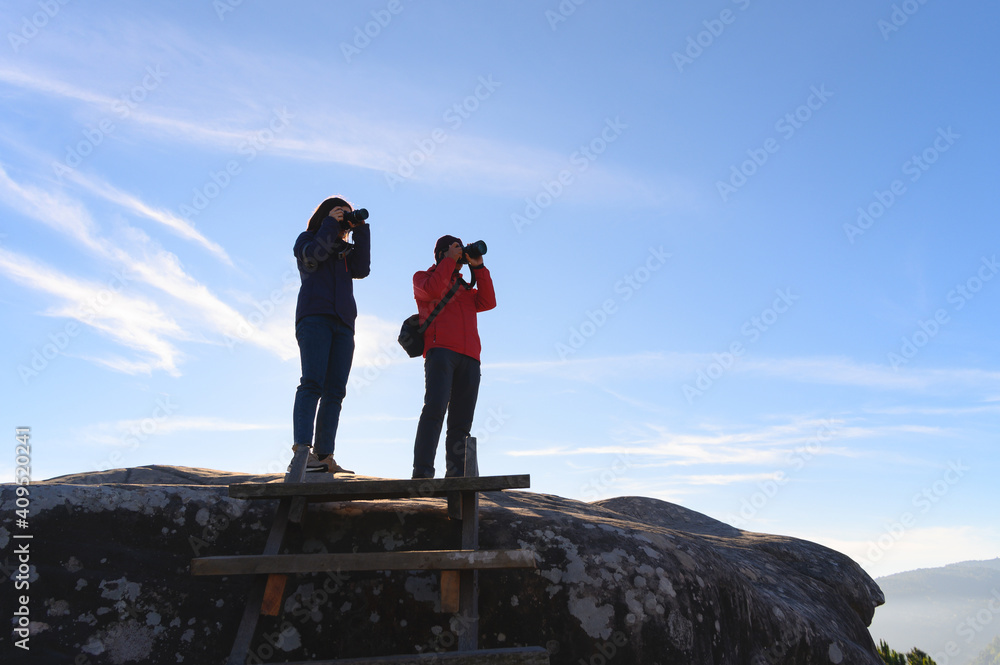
[175, 224]
[655, 445]
[920, 547]
[328, 131]
[122, 432]
[145, 263]
[540, 452]
[132, 322]
[816, 369]
[937, 411]
[721, 479]
[376, 346]
[20, 77]
[52, 209]
[845, 371]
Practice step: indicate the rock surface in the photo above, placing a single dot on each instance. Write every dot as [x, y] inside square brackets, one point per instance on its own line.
[625, 581]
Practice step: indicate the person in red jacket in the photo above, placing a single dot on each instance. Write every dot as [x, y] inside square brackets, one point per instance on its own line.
[451, 354]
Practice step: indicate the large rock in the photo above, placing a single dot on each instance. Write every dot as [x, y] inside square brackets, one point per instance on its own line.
[626, 581]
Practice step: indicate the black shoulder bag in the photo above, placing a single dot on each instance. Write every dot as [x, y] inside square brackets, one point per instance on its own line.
[411, 335]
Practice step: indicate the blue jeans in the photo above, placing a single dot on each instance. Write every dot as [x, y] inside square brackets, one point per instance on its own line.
[326, 349]
[451, 383]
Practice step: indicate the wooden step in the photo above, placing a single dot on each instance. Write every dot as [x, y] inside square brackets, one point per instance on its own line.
[253, 564]
[516, 656]
[351, 490]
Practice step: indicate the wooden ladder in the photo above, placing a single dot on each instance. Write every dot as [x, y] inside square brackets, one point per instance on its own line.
[459, 568]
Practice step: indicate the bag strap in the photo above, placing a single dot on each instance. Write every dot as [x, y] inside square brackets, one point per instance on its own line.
[440, 306]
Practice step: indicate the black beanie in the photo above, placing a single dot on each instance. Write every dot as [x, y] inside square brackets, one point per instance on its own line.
[442, 245]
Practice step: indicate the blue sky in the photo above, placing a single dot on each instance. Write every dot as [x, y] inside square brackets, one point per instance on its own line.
[744, 252]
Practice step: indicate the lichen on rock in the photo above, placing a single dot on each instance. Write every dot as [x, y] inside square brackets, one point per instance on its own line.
[643, 580]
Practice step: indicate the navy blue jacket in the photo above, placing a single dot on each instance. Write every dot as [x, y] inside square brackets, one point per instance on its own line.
[327, 275]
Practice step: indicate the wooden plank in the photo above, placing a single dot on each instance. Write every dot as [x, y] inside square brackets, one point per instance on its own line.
[253, 564]
[470, 520]
[470, 469]
[296, 474]
[348, 490]
[468, 604]
[472, 457]
[454, 505]
[298, 510]
[297, 469]
[274, 592]
[449, 591]
[255, 598]
[515, 656]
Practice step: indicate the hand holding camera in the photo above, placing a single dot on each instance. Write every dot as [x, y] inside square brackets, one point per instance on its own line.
[348, 219]
[471, 253]
[351, 218]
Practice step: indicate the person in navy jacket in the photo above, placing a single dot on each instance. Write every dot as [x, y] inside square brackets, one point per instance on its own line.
[324, 325]
[451, 355]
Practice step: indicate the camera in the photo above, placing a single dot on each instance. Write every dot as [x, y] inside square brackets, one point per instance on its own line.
[474, 250]
[353, 217]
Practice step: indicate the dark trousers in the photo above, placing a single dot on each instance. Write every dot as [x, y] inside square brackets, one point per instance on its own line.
[451, 383]
[326, 349]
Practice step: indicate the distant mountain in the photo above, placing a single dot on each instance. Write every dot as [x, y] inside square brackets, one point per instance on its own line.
[952, 612]
[990, 655]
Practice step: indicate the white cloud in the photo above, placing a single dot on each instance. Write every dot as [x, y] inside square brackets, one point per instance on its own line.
[539, 452]
[328, 131]
[844, 371]
[814, 369]
[146, 263]
[52, 209]
[720, 479]
[922, 547]
[123, 432]
[133, 322]
[134, 205]
[21, 77]
[375, 342]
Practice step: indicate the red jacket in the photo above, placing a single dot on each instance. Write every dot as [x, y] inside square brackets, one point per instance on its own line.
[455, 326]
